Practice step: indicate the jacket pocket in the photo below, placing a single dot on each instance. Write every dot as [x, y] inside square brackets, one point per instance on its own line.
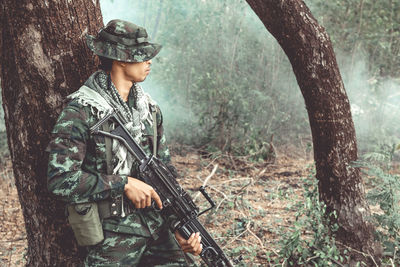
[85, 222]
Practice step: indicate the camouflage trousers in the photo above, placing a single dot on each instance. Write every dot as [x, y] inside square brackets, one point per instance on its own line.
[119, 249]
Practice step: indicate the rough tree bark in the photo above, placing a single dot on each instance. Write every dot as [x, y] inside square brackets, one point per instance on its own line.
[43, 59]
[310, 52]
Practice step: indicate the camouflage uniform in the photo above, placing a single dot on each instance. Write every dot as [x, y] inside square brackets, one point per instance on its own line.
[77, 173]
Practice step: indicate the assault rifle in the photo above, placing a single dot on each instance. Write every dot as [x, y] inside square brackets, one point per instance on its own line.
[176, 201]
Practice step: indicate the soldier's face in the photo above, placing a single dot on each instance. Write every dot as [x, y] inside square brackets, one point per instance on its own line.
[137, 71]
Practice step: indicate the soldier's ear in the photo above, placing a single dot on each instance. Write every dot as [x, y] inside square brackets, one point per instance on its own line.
[119, 63]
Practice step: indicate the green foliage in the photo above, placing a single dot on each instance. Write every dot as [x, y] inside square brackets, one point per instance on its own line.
[372, 27]
[226, 88]
[310, 241]
[225, 84]
[222, 81]
[382, 157]
[384, 197]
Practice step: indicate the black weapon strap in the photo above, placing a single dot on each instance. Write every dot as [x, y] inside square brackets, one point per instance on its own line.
[108, 141]
[112, 207]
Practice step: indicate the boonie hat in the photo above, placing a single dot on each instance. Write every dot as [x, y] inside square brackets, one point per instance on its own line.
[123, 41]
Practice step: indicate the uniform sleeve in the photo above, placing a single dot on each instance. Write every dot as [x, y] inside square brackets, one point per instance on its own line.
[67, 149]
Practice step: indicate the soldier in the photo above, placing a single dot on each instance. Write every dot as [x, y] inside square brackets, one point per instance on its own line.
[109, 208]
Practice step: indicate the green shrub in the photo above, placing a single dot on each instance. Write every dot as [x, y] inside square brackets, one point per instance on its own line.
[310, 241]
[384, 196]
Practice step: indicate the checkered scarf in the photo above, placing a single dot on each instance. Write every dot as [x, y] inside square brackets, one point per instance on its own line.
[98, 88]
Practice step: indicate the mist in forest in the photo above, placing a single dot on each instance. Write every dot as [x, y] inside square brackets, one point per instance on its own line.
[223, 82]
[374, 104]
[220, 78]
[220, 66]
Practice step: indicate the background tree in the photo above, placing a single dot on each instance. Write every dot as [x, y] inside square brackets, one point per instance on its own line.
[43, 59]
[310, 52]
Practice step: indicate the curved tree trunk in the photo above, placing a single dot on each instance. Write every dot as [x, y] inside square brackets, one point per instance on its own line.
[310, 52]
[43, 59]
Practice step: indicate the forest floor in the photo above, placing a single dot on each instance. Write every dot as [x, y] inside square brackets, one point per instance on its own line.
[251, 198]
[12, 228]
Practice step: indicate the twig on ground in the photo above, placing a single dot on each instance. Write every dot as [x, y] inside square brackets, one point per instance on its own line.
[235, 179]
[276, 253]
[206, 180]
[233, 162]
[258, 177]
[367, 255]
[258, 239]
[236, 237]
[219, 204]
[245, 186]
[212, 161]
[338, 263]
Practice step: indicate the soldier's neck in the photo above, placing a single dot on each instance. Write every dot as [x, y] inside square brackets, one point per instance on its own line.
[123, 86]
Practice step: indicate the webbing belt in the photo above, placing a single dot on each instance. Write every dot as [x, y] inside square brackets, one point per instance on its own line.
[113, 208]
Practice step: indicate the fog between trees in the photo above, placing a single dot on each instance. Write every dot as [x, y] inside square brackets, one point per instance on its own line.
[223, 82]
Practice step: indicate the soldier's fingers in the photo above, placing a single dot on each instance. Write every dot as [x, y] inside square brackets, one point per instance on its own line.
[197, 253]
[190, 239]
[195, 246]
[143, 203]
[187, 246]
[187, 250]
[148, 201]
[198, 242]
[136, 203]
[157, 199]
[194, 240]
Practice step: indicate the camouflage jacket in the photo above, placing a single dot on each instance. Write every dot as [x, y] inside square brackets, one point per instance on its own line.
[77, 170]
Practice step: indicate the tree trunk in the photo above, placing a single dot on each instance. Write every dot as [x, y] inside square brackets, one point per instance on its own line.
[43, 59]
[310, 52]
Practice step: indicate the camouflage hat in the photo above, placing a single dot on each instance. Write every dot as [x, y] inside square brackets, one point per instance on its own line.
[123, 41]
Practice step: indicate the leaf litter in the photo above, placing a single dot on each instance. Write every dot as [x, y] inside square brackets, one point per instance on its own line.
[252, 200]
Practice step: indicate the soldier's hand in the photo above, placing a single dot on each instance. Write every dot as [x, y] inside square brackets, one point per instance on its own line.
[141, 193]
[192, 245]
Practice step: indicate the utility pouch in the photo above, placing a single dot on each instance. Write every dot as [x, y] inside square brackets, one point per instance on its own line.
[85, 222]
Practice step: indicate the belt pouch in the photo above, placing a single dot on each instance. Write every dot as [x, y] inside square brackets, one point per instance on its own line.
[85, 222]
